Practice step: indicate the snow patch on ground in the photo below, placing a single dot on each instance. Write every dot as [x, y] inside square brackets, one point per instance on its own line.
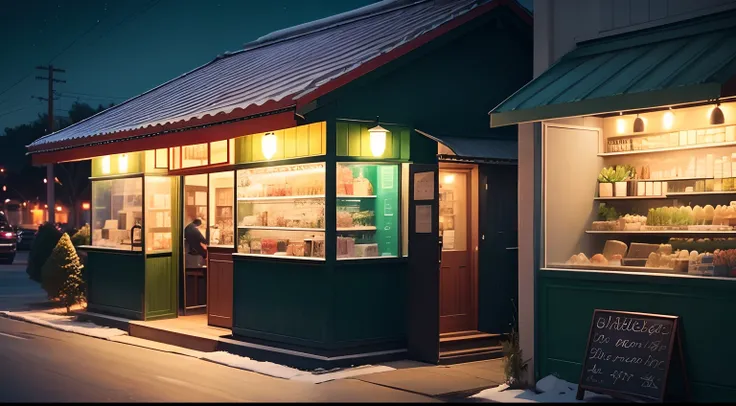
[551, 390]
[65, 323]
[281, 371]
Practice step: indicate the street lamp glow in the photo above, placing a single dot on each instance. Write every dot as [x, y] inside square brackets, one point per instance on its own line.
[44, 180]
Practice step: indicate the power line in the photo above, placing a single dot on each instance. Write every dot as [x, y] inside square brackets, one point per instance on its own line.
[18, 109]
[16, 83]
[71, 44]
[130, 17]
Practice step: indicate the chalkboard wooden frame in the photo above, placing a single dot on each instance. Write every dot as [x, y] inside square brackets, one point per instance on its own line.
[675, 339]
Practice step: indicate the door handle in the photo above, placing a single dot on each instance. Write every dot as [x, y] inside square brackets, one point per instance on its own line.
[512, 248]
[439, 250]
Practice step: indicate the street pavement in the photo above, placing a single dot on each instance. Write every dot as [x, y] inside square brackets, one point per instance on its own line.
[39, 364]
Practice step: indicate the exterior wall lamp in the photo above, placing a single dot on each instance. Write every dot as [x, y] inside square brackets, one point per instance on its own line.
[378, 139]
[268, 145]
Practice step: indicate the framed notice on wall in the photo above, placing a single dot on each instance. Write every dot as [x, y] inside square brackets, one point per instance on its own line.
[424, 219]
[424, 186]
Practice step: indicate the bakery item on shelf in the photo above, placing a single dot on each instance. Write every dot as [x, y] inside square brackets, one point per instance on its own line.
[598, 259]
[614, 247]
[615, 260]
[578, 259]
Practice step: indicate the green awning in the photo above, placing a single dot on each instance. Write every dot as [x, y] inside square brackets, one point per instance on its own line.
[677, 63]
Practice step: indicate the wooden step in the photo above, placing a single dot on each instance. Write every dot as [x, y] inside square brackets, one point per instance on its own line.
[470, 355]
[473, 335]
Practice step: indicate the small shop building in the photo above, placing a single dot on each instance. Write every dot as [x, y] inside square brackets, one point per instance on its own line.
[627, 162]
[324, 161]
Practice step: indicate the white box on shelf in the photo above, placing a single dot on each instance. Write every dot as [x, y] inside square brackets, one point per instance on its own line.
[664, 189]
[621, 188]
[641, 188]
[691, 137]
[605, 189]
[657, 188]
[650, 188]
[731, 133]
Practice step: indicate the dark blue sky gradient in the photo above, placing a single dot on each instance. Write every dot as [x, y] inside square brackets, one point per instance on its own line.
[136, 45]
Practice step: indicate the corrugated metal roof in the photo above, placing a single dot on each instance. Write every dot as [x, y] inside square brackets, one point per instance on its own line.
[279, 70]
[677, 63]
[483, 148]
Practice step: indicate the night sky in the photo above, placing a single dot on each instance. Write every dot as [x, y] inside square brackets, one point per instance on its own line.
[114, 50]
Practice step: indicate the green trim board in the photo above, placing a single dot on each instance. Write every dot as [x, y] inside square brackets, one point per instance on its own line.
[295, 142]
[678, 63]
[160, 291]
[565, 304]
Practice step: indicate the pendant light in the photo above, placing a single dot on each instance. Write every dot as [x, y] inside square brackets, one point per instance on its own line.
[638, 124]
[716, 115]
[268, 145]
[620, 124]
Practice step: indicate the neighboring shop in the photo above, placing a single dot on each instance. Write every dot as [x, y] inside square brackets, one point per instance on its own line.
[306, 200]
[634, 207]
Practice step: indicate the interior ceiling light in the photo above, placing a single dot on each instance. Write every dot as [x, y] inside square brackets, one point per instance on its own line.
[668, 120]
[716, 115]
[620, 124]
[638, 124]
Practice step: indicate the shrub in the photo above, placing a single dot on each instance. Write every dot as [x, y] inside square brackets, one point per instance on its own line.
[46, 238]
[81, 237]
[62, 274]
[513, 362]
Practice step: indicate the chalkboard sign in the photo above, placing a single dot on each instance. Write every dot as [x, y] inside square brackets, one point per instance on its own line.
[629, 354]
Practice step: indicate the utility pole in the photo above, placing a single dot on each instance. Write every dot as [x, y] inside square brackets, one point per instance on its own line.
[50, 199]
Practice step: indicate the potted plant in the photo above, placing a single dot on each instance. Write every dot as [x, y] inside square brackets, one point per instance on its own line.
[618, 176]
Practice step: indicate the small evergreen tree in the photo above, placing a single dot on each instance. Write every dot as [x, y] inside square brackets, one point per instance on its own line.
[62, 274]
[81, 237]
[46, 238]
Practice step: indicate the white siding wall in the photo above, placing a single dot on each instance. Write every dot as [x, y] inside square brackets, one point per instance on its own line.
[559, 24]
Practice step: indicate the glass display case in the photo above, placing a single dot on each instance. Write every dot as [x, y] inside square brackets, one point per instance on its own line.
[280, 211]
[117, 215]
[658, 202]
[158, 213]
[367, 210]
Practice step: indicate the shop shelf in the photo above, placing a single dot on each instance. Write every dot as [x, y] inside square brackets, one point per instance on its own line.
[356, 196]
[722, 192]
[668, 149]
[357, 228]
[281, 228]
[666, 232]
[274, 198]
[629, 197]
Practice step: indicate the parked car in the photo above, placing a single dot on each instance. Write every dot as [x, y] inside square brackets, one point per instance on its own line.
[8, 240]
[25, 237]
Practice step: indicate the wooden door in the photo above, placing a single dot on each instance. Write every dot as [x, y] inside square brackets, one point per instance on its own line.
[457, 287]
[423, 336]
[220, 287]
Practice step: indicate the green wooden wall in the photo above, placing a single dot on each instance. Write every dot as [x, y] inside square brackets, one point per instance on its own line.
[282, 301]
[322, 305]
[116, 282]
[353, 140]
[161, 289]
[565, 304]
[296, 142]
[135, 164]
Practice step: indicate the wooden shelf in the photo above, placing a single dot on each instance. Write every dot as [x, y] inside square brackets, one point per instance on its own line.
[629, 197]
[281, 228]
[357, 228]
[669, 149]
[275, 198]
[666, 232]
[723, 192]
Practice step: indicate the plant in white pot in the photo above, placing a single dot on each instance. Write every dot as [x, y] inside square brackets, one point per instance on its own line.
[618, 176]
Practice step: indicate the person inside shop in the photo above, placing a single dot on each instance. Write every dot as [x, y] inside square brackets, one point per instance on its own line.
[196, 244]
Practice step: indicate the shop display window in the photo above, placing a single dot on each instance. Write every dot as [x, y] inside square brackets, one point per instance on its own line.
[280, 211]
[222, 214]
[117, 215]
[158, 213]
[367, 210]
[661, 202]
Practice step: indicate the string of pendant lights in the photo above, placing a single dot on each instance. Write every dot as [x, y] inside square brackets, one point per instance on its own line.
[716, 117]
